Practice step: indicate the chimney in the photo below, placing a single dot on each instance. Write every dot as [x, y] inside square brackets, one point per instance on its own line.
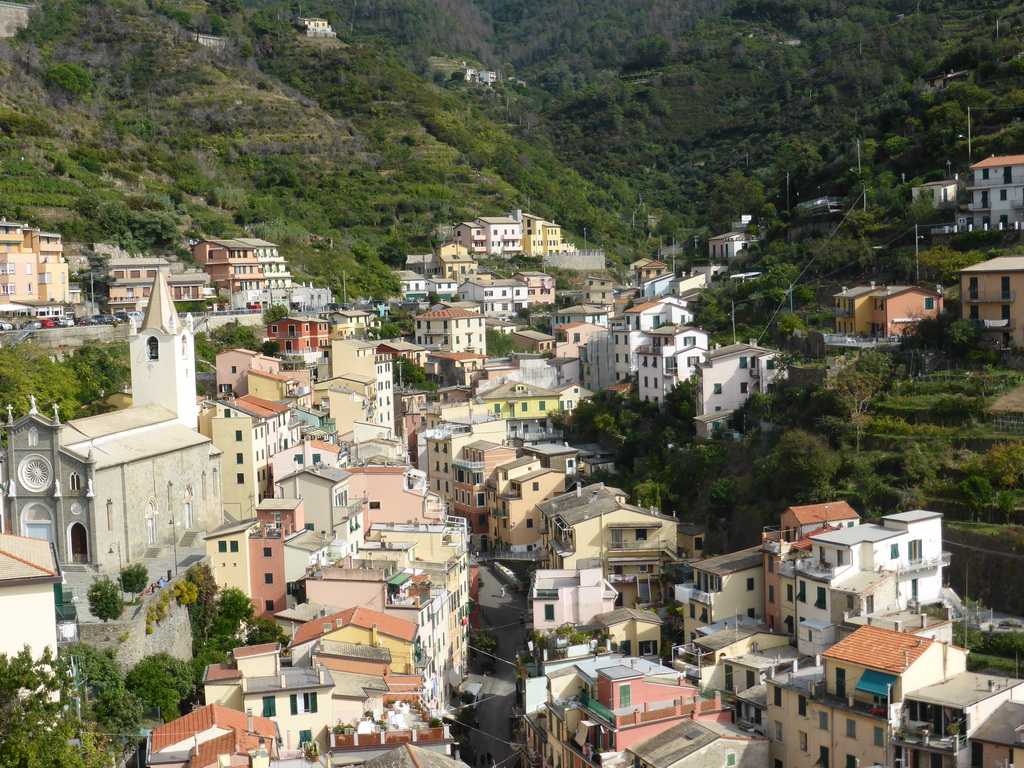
[248, 720]
[897, 626]
[991, 686]
[373, 635]
[579, 490]
[906, 659]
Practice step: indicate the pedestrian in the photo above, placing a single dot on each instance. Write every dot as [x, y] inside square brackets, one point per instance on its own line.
[490, 758]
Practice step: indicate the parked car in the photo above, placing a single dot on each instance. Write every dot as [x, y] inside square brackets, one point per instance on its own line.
[6, 326]
[65, 322]
[48, 322]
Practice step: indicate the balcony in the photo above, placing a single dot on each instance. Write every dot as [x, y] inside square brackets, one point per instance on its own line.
[978, 207]
[996, 181]
[465, 464]
[840, 312]
[622, 578]
[816, 568]
[684, 593]
[346, 741]
[981, 297]
[629, 546]
[919, 736]
[993, 325]
[755, 373]
[920, 563]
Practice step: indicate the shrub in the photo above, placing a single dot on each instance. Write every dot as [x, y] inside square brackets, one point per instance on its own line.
[105, 600]
[134, 578]
[71, 77]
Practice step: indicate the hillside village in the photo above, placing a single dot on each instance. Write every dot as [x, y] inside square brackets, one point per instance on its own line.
[377, 538]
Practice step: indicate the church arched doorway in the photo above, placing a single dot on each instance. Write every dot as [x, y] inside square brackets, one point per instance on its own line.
[79, 543]
[188, 507]
[38, 522]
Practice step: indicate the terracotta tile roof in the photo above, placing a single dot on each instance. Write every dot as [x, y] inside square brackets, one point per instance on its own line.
[267, 375]
[879, 648]
[256, 403]
[457, 355]
[325, 446]
[619, 386]
[365, 618]
[202, 720]
[820, 513]
[25, 558]
[997, 162]
[446, 314]
[255, 650]
[643, 307]
[226, 671]
[208, 753]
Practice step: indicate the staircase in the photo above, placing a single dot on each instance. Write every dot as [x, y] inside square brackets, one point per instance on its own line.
[188, 540]
[152, 553]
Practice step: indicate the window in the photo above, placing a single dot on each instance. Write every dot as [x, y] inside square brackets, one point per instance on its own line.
[222, 546]
[234, 546]
[823, 721]
[751, 678]
[269, 706]
[819, 601]
[641, 534]
[750, 584]
[718, 389]
[823, 757]
[376, 504]
[801, 594]
[305, 736]
[302, 703]
[648, 647]
[529, 523]
[851, 728]
[268, 578]
[267, 552]
[894, 551]
[743, 387]
[789, 593]
[776, 695]
[240, 478]
[239, 459]
[929, 303]
[743, 362]
[549, 612]
[879, 737]
[625, 694]
[728, 677]
[771, 594]
[268, 605]
[778, 731]
[851, 761]
[801, 706]
[803, 741]
[238, 435]
[536, 486]
[730, 759]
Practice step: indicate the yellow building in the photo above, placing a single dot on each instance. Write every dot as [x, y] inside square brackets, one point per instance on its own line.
[366, 627]
[517, 400]
[847, 711]
[988, 298]
[596, 524]
[228, 550]
[632, 632]
[348, 323]
[854, 309]
[723, 587]
[513, 493]
[541, 237]
[297, 698]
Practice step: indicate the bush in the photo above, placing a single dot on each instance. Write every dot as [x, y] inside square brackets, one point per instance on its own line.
[71, 77]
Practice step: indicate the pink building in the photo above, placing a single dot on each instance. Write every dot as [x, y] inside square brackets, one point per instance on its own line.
[492, 235]
[540, 287]
[233, 366]
[394, 494]
[306, 453]
[279, 519]
[560, 597]
[569, 338]
[898, 308]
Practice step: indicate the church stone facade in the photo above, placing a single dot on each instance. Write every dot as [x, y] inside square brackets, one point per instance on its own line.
[122, 482]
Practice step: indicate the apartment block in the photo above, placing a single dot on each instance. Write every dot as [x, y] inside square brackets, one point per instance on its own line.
[451, 330]
[724, 586]
[513, 492]
[33, 270]
[988, 296]
[996, 192]
[233, 265]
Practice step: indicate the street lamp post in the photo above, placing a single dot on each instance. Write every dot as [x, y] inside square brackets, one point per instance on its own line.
[110, 552]
[174, 542]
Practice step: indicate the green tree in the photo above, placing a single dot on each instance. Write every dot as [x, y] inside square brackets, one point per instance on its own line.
[801, 466]
[499, 344]
[408, 372]
[105, 598]
[34, 724]
[733, 196]
[71, 77]
[234, 611]
[275, 312]
[96, 666]
[649, 493]
[977, 493]
[261, 630]
[1003, 463]
[134, 578]
[857, 384]
[118, 710]
[161, 681]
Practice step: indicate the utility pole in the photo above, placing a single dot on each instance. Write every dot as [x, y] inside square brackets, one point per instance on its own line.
[734, 322]
[858, 156]
[917, 262]
[968, 134]
[344, 288]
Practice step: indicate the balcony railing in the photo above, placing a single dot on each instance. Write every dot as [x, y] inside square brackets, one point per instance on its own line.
[920, 563]
[341, 741]
[920, 736]
[993, 325]
[841, 312]
[994, 296]
[465, 464]
[816, 568]
[631, 545]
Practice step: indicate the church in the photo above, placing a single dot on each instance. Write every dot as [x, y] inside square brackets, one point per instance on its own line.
[121, 483]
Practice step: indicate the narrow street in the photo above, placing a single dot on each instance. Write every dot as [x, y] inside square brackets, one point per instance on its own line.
[503, 615]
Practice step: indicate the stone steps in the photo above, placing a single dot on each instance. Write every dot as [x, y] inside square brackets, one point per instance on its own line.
[152, 553]
[189, 539]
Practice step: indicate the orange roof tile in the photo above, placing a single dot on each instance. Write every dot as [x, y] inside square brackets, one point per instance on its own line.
[879, 648]
[253, 402]
[997, 162]
[457, 355]
[446, 314]
[206, 718]
[392, 626]
[643, 307]
[820, 513]
[325, 446]
[266, 375]
[221, 672]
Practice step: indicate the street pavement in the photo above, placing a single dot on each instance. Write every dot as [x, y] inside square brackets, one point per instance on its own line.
[503, 615]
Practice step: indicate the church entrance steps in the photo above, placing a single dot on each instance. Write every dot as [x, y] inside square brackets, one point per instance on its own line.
[152, 553]
[77, 568]
[189, 539]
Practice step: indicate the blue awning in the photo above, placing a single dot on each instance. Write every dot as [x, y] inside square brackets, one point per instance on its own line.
[876, 683]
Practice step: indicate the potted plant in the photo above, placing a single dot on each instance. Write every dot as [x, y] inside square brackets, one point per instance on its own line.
[311, 751]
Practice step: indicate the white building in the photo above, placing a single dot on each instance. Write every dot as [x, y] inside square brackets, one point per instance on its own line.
[670, 356]
[581, 313]
[497, 298]
[864, 569]
[726, 378]
[630, 329]
[727, 245]
[30, 577]
[575, 596]
[997, 192]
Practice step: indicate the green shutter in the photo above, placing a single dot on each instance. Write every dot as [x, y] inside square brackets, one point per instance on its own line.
[222, 546]
[234, 546]
[312, 703]
[549, 613]
[305, 737]
[295, 703]
[269, 706]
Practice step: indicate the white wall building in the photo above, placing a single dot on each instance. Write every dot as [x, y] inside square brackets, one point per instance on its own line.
[997, 192]
[497, 298]
[671, 355]
[727, 377]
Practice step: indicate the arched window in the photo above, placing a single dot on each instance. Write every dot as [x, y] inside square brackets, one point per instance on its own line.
[75, 482]
[153, 347]
[184, 347]
[33, 437]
